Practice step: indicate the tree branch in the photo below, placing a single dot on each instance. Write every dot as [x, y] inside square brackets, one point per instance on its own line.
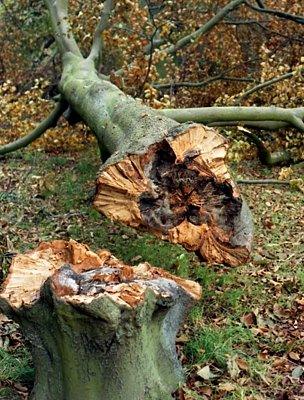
[262, 182]
[205, 28]
[295, 18]
[104, 23]
[200, 84]
[268, 125]
[199, 32]
[49, 122]
[292, 116]
[262, 26]
[265, 156]
[65, 40]
[262, 85]
[260, 3]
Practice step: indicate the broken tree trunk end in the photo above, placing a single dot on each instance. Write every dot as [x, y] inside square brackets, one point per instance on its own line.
[98, 329]
[166, 177]
[179, 188]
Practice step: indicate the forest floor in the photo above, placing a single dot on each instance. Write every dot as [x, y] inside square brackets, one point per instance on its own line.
[244, 340]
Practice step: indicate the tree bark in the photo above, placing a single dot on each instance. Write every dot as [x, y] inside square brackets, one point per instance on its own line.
[166, 177]
[98, 329]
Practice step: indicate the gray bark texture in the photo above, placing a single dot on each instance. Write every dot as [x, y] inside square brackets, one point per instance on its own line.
[97, 333]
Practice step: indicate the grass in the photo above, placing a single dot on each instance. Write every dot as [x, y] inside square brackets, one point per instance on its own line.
[218, 345]
[16, 366]
[43, 197]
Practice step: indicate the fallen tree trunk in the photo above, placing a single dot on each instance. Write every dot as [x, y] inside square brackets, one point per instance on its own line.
[98, 329]
[167, 177]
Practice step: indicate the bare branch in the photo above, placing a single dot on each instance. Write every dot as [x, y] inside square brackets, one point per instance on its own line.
[49, 122]
[268, 125]
[205, 28]
[265, 28]
[151, 48]
[206, 82]
[265, 84]
[295, 18]
[104, 23]
[207, 115]
[262, 182]
[66, 42]
[260, 3]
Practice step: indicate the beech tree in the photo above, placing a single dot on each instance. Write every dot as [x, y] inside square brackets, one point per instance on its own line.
[161, 169]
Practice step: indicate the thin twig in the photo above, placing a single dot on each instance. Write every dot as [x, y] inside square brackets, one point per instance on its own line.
[206, 82]
[281, 14]
[262, 182]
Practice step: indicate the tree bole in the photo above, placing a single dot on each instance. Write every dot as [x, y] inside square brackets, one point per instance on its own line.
[168, 178]
[97, 328]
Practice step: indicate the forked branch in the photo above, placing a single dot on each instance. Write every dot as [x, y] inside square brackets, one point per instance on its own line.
[186, 40]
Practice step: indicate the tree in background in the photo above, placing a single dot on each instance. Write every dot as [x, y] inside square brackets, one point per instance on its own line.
[171, 55]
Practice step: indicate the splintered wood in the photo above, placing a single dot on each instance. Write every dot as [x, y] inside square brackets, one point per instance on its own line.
[181, 191]
[79, 275]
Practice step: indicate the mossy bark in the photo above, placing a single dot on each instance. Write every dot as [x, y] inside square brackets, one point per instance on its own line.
[103, 351]
[96, 333]
[122, 124]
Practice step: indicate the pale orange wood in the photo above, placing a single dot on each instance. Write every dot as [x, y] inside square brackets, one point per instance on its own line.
[180, 190]
[81, 276]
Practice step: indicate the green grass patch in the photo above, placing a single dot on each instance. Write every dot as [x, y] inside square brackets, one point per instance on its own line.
[16, 366]
[218, 344]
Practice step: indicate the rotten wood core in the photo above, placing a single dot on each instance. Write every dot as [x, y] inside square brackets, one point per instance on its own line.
[79, 275]
[180, 190]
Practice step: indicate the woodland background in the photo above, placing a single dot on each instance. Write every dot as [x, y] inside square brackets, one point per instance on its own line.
[245, 339]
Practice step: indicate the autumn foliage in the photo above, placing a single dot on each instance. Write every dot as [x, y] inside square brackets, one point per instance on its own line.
[245, 49]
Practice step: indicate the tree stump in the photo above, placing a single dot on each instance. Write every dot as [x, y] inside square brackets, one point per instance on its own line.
[97, 328]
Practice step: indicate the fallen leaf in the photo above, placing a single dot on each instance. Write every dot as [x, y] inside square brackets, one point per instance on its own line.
[227, 387]
[233, 368]
[206, 390]
[249, 319]
[205, 373]
[297, 372]
[294, 356]
[182, 338]
[242, 364]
